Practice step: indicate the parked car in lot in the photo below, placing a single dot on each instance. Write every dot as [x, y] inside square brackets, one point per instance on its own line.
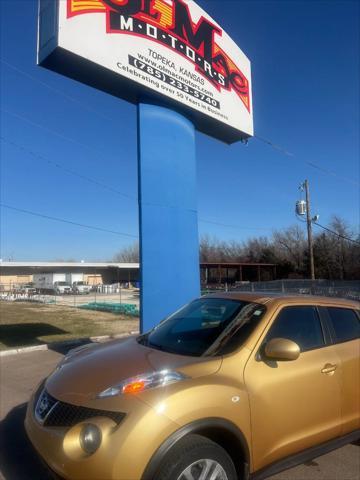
[62, 288]
[27, 289]
[81, 288]
[59, 283]
[232, 386]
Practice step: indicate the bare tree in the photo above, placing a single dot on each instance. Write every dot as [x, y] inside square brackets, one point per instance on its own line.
[212, 250]
[259, 250]
[129, 254]
[335, 257]
[207, 249]
[290, 246]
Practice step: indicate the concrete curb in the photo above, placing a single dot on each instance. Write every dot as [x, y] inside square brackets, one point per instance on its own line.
[54, 345]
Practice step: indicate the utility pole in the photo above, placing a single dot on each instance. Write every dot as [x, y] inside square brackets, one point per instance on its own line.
[309, 230]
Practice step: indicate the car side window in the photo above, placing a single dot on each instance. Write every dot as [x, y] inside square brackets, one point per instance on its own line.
[345, 323]
[301, 324]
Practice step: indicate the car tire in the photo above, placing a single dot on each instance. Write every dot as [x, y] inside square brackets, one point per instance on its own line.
[192, 456]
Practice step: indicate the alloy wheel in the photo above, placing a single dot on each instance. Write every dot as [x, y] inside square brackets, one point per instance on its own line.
[204, 469]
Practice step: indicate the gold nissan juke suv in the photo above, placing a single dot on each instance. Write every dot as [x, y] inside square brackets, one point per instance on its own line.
[231, 386]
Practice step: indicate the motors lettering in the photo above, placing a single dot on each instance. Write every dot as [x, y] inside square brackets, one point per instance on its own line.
[172, 26]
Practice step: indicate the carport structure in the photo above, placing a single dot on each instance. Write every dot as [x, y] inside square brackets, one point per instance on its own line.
[111, 272]
[221, 273]
[95, 272]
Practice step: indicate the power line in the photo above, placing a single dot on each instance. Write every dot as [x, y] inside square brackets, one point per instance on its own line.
[53, 89]
[107, 187]
[328, 229]
[65, 169]
[337, 234]
[274, 146]
[311, 164]
[237, 227]
[54, 132]
[62, 220]
[262, 139]
[69, 97]
[102, 185]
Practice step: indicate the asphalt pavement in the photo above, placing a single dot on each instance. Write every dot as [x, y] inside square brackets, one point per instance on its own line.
[21, 373]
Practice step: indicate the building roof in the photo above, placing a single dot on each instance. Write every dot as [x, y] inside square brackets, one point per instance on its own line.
[16, 268]
[69, 264]
[236, 264]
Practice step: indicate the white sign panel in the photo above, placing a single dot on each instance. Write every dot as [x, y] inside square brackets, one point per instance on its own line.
[170, 50]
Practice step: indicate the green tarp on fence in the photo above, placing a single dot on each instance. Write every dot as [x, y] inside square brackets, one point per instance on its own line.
[117, 308]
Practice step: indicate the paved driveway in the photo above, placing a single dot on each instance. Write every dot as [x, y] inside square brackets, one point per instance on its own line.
[22, 372]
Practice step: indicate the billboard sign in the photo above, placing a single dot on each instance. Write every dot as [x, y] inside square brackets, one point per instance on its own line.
[169, 50]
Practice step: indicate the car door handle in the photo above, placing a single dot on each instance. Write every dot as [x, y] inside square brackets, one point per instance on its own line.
[328, 368]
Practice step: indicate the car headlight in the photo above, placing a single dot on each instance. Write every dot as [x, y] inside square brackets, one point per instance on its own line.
[90, 438]
[143, 382]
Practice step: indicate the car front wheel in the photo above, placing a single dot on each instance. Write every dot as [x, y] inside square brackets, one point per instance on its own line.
[197, 458]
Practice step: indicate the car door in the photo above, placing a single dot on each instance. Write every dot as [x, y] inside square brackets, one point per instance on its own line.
[345, 332]
[294, 404]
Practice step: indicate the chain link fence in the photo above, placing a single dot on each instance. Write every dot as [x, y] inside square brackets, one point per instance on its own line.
[327, 288]
[29, 317]
[115, 294]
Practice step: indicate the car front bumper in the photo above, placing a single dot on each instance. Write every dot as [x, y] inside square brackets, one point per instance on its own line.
[125, 451]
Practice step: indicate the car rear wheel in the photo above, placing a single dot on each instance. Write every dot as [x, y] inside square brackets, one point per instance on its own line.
[197, 458]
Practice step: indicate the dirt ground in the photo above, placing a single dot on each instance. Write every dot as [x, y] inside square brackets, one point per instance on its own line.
[24, 324]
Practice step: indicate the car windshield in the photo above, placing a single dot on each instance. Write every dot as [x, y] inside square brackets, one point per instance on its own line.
[63, 284]
[205, 327]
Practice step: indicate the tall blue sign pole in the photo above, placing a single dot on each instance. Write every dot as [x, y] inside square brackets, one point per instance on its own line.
[172, 53]
[169, 245]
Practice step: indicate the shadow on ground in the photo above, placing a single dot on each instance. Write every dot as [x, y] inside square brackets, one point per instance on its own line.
[25, 334]
[18, 460]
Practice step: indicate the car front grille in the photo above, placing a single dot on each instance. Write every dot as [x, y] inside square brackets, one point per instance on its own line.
[53, 413]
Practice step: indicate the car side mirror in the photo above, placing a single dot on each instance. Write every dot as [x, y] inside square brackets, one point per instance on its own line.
[282, 349]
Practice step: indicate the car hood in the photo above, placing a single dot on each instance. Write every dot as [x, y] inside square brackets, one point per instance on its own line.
[89, 371]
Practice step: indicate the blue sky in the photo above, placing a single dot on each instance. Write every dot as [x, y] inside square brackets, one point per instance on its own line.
[305, 61]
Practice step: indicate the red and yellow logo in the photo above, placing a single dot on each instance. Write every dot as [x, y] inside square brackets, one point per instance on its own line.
[169, 22]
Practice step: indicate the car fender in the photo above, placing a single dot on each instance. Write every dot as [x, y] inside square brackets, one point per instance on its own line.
[208, 428]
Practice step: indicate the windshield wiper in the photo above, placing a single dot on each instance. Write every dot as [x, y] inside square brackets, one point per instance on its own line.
[143, 339]
[157, 347]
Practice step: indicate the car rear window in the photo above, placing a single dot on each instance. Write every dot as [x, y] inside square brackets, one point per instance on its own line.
[345, 323]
